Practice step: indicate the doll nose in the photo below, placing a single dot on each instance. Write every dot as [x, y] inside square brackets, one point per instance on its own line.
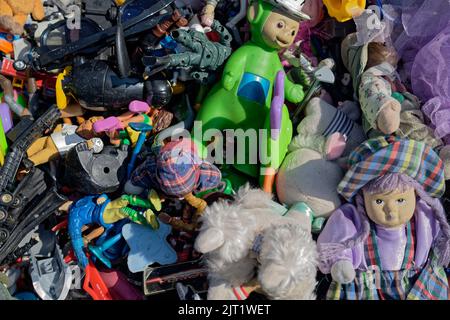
[390, 209]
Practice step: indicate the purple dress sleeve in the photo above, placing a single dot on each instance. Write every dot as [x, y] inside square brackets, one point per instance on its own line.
[427, 230]
[344, 224]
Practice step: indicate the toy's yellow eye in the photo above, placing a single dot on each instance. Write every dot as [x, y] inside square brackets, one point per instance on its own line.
[281, 25]
[401, 201]
[379, 202]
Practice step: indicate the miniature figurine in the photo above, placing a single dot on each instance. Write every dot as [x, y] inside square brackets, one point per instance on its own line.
[201, 57]
[393, 241]
[177, 172]
[244, 96]
[63, 138]
[103, 211]
[140, 112]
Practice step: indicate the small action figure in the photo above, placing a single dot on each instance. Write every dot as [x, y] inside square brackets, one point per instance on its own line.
[103, 211]
[63, 138]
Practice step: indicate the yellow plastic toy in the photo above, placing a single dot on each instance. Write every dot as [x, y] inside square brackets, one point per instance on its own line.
[61, 98]
[344, 10]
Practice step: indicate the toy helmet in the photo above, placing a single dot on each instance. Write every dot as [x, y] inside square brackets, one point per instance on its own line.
[294, 7]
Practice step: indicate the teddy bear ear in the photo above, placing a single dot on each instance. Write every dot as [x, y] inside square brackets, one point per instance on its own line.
[209, 240]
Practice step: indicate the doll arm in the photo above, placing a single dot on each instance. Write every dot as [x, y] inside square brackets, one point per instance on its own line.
[375, 96]
[294, 92]
[343, 224]
[208, 12]
[233, 70]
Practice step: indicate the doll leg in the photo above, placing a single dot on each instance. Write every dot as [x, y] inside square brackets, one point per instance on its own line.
[113, 211]
[37, 146]
[50, 152]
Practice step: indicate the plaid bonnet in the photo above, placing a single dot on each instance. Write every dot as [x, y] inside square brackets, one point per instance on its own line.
[379, 156]
[180, 171]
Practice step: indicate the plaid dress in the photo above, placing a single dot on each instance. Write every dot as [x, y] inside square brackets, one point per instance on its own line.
[408, 283]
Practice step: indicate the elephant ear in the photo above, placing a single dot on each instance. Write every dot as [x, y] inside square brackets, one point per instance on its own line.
[209, 240]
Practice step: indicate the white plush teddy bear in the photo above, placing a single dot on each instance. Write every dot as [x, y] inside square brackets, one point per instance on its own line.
[254, 243]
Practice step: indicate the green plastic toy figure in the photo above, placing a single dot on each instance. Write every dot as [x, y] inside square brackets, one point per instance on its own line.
[242, 100]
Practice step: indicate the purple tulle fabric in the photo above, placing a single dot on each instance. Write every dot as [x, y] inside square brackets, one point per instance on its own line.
[420, 21]
[422, 38]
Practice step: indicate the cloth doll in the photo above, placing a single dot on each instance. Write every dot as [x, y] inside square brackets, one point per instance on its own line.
[177, 172]
[386, 104]
[14, 14]
[393, 240]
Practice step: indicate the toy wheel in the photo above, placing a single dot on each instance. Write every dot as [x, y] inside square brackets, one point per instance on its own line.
[20, 65]
[3, 215]
[6, 199]
[4, 235]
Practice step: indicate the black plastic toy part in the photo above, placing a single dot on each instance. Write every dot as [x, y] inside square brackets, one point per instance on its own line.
[98, 87]
[90, 173]
[37, 200]
[22, 140]
[134, 22]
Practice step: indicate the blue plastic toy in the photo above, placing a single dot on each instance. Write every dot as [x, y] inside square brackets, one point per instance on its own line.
[148, 246]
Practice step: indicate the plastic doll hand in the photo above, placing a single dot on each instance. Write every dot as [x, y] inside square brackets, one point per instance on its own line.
[296, 95]
[101, 199]
[208, 15]
[343, 272]
[388, 120]
[228, 81]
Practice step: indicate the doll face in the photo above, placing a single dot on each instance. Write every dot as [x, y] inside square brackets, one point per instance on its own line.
[279, 30]
[391, 210]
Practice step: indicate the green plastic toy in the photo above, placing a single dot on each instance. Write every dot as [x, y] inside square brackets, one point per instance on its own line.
[3, 144]
[243, 98]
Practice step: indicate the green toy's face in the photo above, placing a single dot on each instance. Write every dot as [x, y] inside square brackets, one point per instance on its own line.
[279, 30]
[390, 210]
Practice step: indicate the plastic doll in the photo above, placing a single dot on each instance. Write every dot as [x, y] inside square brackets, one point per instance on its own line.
[139, 111]
[63, 138]
[243, 98]
[394, 239]
[103, 211]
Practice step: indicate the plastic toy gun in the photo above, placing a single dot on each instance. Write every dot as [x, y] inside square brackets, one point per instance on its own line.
[33, 199]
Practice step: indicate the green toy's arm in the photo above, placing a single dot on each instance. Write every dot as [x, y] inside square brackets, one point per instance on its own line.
[294, 92]
[233, 70]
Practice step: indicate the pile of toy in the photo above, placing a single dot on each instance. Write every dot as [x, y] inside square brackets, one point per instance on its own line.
[252, 149]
